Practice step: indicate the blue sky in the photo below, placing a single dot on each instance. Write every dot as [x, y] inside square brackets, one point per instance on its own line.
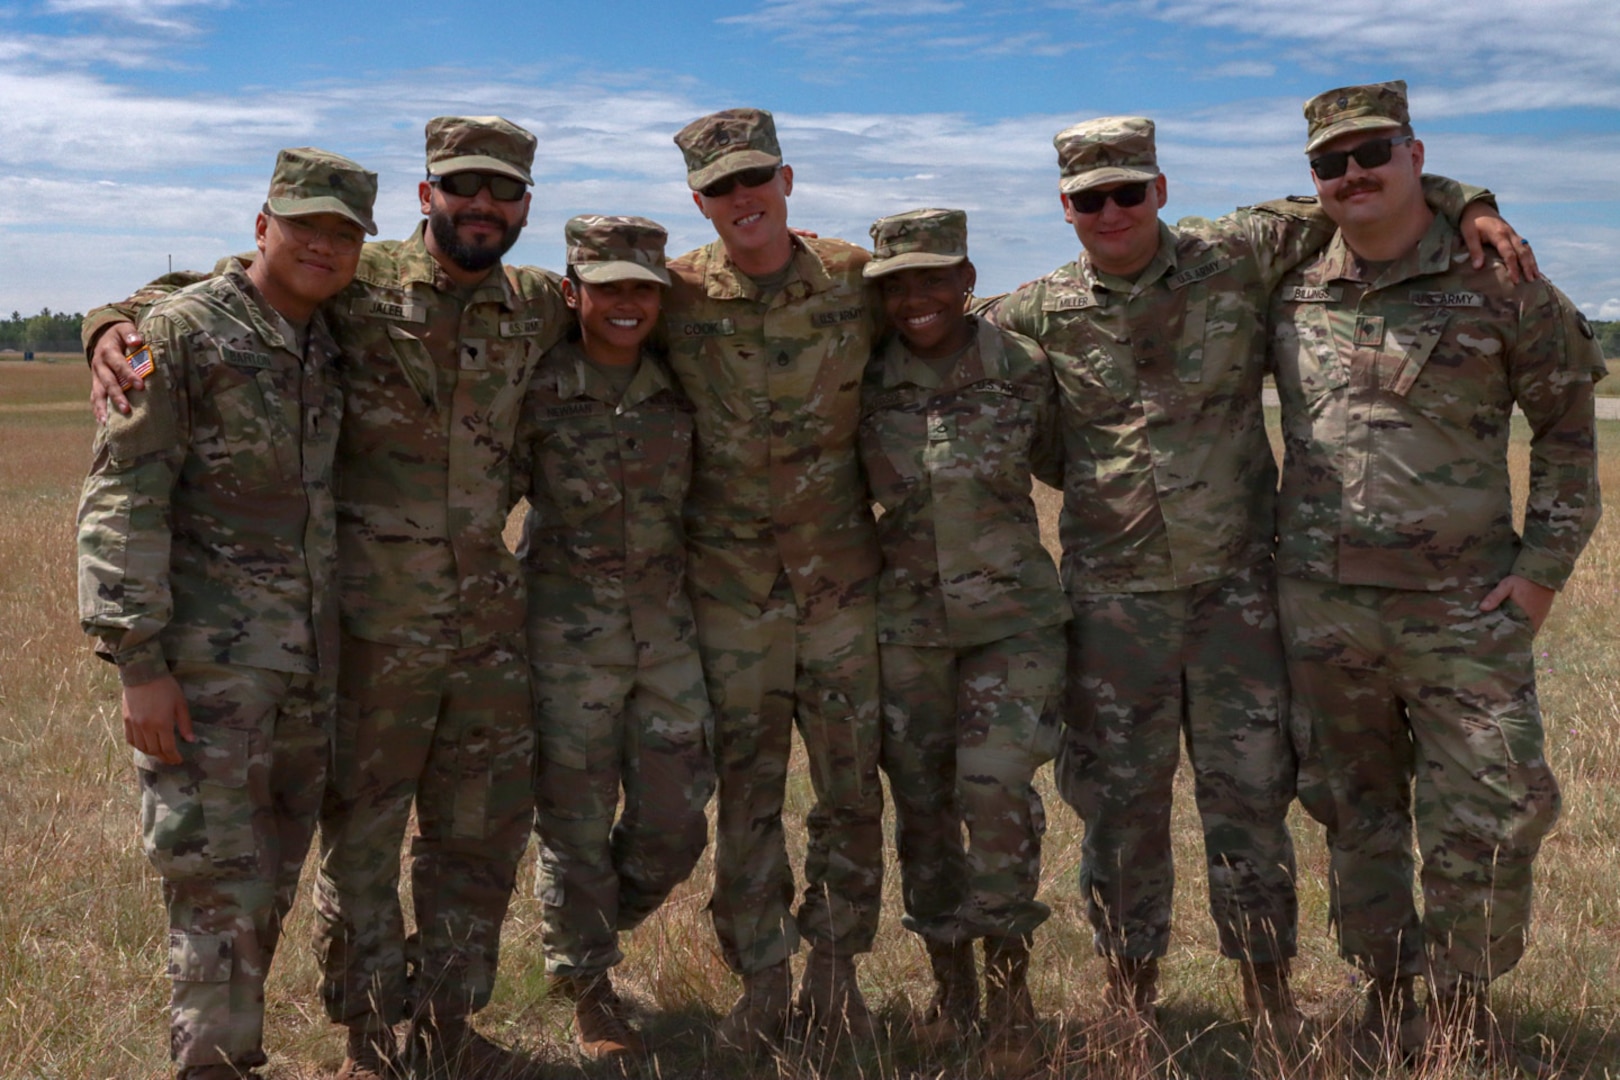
[136, 130]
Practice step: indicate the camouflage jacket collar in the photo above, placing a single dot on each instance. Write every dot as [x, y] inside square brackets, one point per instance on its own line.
[1163, 264]
[723, 281]
[984, 358]
[271, 326]
[579, 378]
[1434, 253]
[416, 266]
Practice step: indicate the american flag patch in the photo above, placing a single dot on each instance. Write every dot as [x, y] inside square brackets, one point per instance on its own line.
[140, 362]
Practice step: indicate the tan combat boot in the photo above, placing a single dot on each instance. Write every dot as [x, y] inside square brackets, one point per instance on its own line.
[756, 1022]
[1393, 1028]
[1462, 1029]
[601, 1025]
[953, 1015]
[371, 1054]
[1011, 1049]
[1268, 1001]
[830, 1003]
[445, 1047]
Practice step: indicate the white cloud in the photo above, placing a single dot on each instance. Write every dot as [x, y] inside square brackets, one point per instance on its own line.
[165, 15]
[1609, 309]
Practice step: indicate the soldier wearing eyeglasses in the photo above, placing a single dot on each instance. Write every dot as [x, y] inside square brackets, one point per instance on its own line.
[1156, 336]
[768, 335]
[439, 339]
[1409, 599]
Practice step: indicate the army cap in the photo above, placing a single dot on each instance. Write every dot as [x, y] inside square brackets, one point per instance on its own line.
[1356, 108]
[1108, 150]
[726, 142]
[917, 238]
[312, 181]
[603, 248]
[479, 144]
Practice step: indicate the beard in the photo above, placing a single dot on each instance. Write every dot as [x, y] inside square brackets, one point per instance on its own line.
[470, 256]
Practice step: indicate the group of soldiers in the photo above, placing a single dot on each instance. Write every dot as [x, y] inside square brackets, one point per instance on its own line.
[290, 546]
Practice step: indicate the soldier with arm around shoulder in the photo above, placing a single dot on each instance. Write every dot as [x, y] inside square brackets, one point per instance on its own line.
[956, 414]
[604, 455]
[207, 574]
[1409, 600]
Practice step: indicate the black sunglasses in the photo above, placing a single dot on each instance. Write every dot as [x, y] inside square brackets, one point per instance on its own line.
[464, 185]
[749, 178]
[1369, 155]
[1091, 201]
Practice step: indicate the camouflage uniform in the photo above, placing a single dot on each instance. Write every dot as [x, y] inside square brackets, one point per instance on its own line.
[206, 551]
[434, 701]
[620, 696]
[782, 568]
[434, 690]
[1395, 520]
[1167, 532]
[970, 610]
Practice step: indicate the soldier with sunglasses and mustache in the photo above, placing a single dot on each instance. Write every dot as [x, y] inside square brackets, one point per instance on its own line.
[1409, 600]
[1156, 335]
[439, 339]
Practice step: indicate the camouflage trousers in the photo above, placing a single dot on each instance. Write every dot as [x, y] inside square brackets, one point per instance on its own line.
[606, 728]
[1147, 670]
[227, 830]
[1417, 708]
[452, 732]
[964, 731]
[767, 672]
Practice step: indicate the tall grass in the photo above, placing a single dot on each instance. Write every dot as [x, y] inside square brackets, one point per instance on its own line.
[82, 991]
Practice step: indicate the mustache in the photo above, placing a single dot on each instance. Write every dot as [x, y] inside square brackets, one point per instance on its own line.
[468, 217]
[1356, 187]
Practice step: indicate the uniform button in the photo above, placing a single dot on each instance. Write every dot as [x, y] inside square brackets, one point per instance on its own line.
[782, 360]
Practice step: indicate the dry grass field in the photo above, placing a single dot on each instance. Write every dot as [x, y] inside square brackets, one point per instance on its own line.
[82, 991]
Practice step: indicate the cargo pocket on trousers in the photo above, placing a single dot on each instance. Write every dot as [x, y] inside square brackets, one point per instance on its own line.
[221, 757]
[835, 747]
[470, 813]
[199, 958]
[1039, 681]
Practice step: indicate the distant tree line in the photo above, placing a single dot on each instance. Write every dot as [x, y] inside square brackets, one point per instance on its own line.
[1609, 334]
[49, 331]
[55, 331]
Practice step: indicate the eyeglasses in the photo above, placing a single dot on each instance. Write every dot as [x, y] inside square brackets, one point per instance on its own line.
[1091, 200]
[343, 241]
[464, 185]
[1369, 155]
[748, 178]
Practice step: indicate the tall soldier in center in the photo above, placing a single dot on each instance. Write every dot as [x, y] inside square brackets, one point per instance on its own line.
[768, 335]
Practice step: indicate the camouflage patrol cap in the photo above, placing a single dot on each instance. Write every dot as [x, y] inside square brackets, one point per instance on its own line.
[312, 181]
[917, 238]
[725, 142]
[1107, 150]
[1356, 108]
[603, 249]
[479, 144]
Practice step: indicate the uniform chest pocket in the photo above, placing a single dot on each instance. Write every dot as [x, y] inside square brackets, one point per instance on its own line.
[1308, 355]
[578, 476]
[891, 442]
[1407, 349]
[252, 442]
[667, 447]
